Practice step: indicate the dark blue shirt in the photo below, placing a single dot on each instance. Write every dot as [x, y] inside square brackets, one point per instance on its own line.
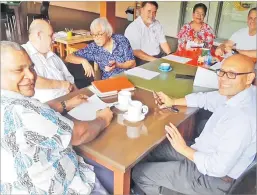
[121, 53]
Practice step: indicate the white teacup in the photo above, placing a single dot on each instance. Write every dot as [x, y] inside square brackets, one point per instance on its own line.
[136, 109]
[124, 98]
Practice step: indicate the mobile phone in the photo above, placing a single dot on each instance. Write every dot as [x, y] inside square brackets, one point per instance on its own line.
[184, 76]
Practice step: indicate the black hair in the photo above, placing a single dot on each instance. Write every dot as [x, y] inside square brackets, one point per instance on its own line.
[200, 5]
[254, 8]
[150, 2]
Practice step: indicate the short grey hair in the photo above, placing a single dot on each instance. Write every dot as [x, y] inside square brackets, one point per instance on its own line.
[103, 22]
[5, 48]
[10, 45]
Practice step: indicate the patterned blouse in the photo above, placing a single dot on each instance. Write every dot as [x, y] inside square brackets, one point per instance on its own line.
[36, 153]
[121, 53]
[187, 33]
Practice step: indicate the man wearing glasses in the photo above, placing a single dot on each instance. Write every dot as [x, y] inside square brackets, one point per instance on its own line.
[224, 149]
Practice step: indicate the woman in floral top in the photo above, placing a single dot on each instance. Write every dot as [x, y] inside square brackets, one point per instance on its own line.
[196, 31]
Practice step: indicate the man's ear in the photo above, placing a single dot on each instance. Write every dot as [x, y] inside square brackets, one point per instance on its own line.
[39, 34]
[250, 78]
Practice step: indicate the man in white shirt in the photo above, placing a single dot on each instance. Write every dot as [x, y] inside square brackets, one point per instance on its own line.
[146, 35]
[36, 140]
[54, 79]
[225, 148]
[244, 40]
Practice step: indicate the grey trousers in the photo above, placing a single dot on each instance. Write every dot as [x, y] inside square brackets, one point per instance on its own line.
[166, 167]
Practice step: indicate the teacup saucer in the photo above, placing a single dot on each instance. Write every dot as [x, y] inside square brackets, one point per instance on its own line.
[120, 108]
[125, 115]
[170, 69]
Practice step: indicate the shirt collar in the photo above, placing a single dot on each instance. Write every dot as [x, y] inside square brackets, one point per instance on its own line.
[142, 22]
[32, 50]
[241, 97]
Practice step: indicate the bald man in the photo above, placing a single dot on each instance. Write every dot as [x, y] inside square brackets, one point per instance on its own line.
[54, 79]
[36, 140]
[225, 148]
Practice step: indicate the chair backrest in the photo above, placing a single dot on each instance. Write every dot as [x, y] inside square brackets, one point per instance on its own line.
[246, 180]
[44, 9]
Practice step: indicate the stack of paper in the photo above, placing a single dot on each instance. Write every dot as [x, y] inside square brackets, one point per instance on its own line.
[179, 59]
[87, 110]
[142, 73]
[206, 78]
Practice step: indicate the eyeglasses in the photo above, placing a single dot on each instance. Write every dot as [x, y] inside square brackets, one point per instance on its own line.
[99, 35]
[230, 75]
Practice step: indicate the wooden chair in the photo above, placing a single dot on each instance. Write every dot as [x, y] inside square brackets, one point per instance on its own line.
[72, 48]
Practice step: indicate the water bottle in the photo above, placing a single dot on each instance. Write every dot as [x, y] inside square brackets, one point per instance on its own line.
[208, 59]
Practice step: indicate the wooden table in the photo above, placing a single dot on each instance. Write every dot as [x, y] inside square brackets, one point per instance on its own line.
[69, 41]
[166, 81]
[124, 144]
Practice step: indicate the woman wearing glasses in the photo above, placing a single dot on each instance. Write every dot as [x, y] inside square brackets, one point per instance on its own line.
[111, 53]
[196, 32]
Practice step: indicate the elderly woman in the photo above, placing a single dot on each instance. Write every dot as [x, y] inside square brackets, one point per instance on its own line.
[196, 32]
[111, 53]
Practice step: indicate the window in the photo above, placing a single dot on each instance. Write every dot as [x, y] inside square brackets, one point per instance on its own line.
[220, 15]
[233, 14]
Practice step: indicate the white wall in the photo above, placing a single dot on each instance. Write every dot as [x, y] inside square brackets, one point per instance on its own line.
[168, 15]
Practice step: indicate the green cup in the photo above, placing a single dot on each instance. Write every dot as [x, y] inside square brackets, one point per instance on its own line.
[205, 51]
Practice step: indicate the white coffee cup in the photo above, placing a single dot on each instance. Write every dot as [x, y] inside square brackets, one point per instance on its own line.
[136, 109]
[124, 98]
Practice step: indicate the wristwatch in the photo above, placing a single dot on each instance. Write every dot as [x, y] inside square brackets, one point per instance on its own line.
[64, 110]
[235, 51]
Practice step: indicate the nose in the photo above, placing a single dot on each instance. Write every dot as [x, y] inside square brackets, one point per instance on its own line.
[30, 74]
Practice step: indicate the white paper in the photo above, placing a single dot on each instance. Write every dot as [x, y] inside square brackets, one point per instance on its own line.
[87, 110]
[179, 59]
[143, 73]
[206, 78]
[216, 66]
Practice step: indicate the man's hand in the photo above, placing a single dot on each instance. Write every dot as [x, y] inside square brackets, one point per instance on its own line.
[75, 101]
[89, 71]
[105, 114]
[111, 66]
[67, 85]
[175, 139]
[164, 99]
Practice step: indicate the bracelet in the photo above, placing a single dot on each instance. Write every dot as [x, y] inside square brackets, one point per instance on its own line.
[64, 110]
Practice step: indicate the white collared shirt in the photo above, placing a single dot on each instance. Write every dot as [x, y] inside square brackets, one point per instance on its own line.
[227, 144]
[147, 39]
[49, 67]
[243, 40]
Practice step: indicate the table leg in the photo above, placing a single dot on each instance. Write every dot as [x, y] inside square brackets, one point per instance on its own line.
[62, 51]
[121, 182]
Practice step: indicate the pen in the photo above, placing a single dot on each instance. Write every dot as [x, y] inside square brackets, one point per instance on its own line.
[172, 108]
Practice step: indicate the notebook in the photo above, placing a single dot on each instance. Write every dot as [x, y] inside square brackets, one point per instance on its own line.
[112, 86]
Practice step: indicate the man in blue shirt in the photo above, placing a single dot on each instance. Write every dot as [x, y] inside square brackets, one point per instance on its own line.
[225, 148]
[111, 53]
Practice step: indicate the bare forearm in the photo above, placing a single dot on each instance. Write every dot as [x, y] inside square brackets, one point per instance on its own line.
[75, 59]
[144, 56]
[44, 83]
[180, 102]
[57, 106]
[127, 64]
[86, 131]
[249, 53]
[189, 152]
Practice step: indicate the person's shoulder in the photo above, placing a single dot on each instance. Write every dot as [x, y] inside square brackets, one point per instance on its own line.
[135, 25]
[241, 31]
[119, 37]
